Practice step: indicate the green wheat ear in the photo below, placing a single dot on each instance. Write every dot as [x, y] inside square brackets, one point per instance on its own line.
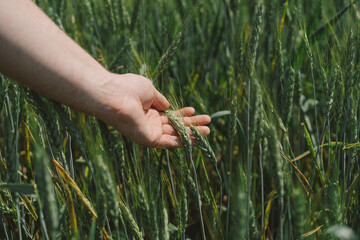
[289, 96]
[204, 145]
[165, 58]
[180, 128]
[186, 141]
[45, 191]
[4, 84]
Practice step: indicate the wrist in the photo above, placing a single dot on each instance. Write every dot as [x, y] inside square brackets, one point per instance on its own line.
[98, 98]
[89, 97]
[108, 95]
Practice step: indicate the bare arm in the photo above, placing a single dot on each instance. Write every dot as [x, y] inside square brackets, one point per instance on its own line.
[33, 47]
[36, 53]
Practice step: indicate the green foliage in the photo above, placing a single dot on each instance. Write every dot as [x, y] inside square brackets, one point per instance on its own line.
[280, 80]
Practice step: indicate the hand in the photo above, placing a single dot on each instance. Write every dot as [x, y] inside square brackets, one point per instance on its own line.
[134, 107]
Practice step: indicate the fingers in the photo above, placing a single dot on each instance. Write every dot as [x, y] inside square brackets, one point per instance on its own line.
[185, 112]
[203, 130]
[170, 137]
[160, 102]
[198, 120]
[169, 130]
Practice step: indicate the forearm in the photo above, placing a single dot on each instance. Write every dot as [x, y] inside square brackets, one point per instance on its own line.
[36, 53]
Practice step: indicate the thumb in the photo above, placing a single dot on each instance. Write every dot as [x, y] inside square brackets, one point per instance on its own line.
[160, 102]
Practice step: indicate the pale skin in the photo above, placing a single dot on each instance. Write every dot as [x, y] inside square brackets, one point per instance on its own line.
[36, 53]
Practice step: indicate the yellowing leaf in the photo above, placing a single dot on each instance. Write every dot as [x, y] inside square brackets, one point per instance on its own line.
[29, 206]
[67, 178]
[72, 216]
[267, 213]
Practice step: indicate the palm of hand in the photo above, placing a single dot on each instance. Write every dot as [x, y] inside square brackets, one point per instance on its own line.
[154, 122]
[137, 113]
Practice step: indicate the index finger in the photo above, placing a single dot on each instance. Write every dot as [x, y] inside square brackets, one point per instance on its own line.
[197, 120]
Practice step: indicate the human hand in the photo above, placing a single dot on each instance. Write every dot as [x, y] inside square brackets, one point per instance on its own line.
[134, 107]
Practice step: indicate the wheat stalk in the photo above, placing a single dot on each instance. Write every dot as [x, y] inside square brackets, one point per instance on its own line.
[186, 140]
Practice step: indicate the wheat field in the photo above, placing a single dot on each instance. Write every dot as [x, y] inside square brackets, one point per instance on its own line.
[280, 80]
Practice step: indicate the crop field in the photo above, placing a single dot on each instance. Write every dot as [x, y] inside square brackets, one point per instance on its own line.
[280, 80]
